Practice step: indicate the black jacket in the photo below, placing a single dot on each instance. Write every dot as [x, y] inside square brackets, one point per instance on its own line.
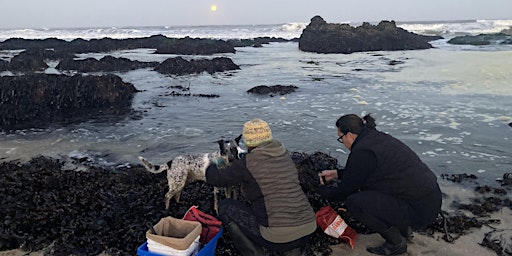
[380, 162]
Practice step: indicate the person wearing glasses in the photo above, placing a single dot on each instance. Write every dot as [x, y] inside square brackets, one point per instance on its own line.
[277, 215]
[384, 184]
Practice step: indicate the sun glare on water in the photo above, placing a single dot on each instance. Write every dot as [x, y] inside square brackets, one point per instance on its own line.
[213, 7]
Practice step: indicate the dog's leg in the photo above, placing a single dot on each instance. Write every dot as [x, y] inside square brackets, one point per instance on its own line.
[216, 199]
[177, 176]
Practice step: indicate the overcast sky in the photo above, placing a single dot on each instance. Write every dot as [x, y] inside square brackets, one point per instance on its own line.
[107, 13]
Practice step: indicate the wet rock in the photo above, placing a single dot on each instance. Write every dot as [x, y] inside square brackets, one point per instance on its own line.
[194, 46]
[274, 89]
[38, 100]
[3, 65]
[180, 66]
[28, 60]
[482, 39]
[105, 64]
[258, 41]
[459, 177]
[506, 180]
[160, 42]
[322, 37]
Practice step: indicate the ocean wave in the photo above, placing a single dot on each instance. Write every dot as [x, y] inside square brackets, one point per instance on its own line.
[294, 27]
[288, 30]
[450, 29]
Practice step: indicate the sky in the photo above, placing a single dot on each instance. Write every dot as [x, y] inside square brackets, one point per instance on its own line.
[120, 13]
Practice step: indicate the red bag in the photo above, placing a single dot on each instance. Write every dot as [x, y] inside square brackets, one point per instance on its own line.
[332, 224]
[211, 226]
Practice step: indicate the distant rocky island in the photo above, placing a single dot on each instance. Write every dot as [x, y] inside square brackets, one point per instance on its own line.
[322, 37]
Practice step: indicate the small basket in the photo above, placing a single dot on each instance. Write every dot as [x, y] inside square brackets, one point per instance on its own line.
[207, 250]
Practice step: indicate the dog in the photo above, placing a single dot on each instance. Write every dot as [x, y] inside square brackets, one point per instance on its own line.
[184, 169]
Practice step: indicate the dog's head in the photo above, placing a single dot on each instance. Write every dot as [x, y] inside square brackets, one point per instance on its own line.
[231, 149]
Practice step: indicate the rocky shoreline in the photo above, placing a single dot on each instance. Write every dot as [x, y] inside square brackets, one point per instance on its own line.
[50, 207]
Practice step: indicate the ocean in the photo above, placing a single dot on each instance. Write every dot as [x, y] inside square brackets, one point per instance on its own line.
[451, 104]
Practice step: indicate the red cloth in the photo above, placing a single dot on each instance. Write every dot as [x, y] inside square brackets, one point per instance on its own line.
[210, 225]
[332, 224]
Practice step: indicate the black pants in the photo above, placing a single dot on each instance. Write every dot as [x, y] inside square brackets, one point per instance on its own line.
[378, 211]
[231, 210]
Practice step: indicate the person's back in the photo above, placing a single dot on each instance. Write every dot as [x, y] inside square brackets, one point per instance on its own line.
[276, 214]
[399, 171]
[283, 210]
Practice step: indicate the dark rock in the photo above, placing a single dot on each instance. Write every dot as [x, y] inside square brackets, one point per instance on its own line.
[164, 44]
[28, 61]
[258, 41]
[105, 64]
[39, 100]
[3, 65]
[507, 179]
[482, 39]
[459, 177]
[322, 37]
[275, 89]
[194, 46]
[34, 44]
[180, 66]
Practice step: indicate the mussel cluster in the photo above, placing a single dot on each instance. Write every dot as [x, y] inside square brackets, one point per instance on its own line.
[49, 208]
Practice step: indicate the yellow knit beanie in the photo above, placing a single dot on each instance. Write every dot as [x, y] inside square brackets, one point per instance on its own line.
[256, 132]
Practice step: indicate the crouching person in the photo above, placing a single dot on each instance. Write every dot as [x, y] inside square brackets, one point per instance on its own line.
[278, 216]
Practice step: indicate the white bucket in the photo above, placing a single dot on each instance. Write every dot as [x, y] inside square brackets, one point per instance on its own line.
[159, 248]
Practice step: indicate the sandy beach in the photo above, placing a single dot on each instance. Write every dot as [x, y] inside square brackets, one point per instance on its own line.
[435, 246]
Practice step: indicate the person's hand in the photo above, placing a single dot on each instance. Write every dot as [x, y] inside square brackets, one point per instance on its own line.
[327, 176]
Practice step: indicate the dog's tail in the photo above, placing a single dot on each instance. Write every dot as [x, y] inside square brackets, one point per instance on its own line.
[151, 167]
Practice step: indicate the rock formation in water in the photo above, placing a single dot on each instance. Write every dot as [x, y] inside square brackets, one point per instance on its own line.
[322, 37]
[38, 100]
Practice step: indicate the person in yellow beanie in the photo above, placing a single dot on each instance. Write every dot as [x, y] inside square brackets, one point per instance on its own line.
[276, 214]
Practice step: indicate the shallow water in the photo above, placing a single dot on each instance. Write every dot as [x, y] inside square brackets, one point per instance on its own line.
[451, 106]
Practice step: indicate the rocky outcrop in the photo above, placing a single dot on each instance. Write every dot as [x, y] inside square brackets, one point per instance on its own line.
[482, 39]
[105, 64]
[194, 46]
[28, 61]
[259, 41]
[322, 37]
[180, 66]
[3, 65]
[160, 42]
[274, 89]
[37, 100]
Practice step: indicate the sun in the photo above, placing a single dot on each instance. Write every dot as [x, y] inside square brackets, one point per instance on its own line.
[213, 7]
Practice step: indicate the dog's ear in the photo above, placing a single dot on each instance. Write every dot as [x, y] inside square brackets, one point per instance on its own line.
[237, 139]
[221, 147]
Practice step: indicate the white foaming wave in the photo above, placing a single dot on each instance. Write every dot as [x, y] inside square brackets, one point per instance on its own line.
[286, 31]
[448, 29]
[294, 26]
[70, 34]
